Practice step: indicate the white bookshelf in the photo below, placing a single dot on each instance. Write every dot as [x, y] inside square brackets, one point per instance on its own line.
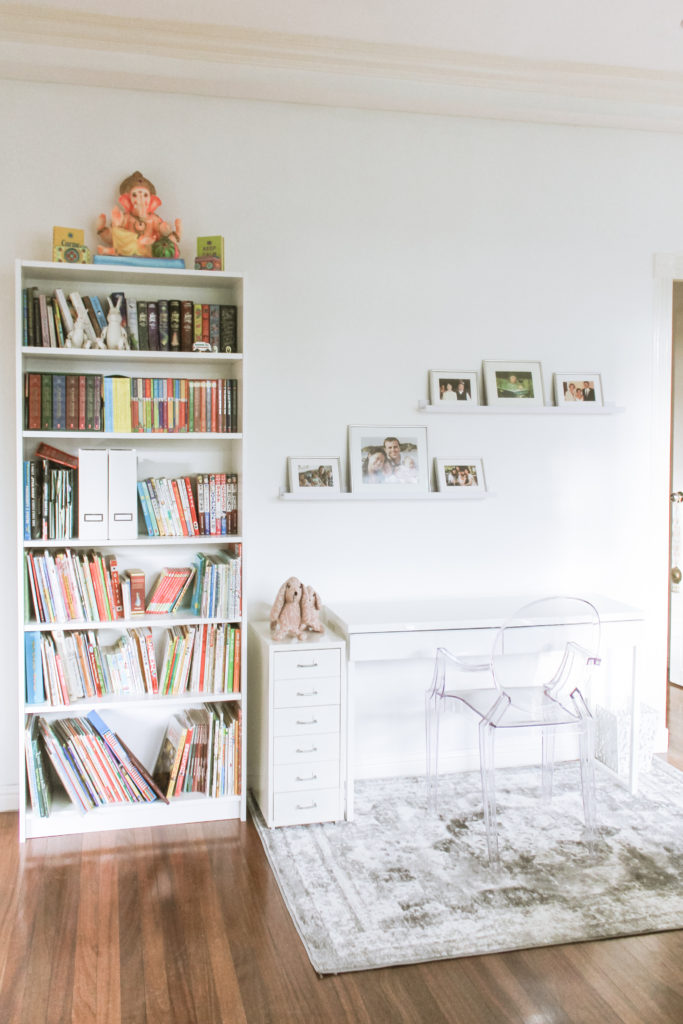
[139, 720]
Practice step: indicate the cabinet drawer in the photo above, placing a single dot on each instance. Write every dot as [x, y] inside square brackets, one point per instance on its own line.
[293, 778]
[306, 749]
[305, 721]
[294, 693]
[301, 664]
[307, 807]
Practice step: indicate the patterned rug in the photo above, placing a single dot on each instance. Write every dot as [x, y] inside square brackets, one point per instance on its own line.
[399, 885]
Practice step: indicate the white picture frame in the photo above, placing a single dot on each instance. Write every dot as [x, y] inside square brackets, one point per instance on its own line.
[453, 389]
[388, 461]
[460, 477]
[577, 389]
[511, 382]
[319, 474]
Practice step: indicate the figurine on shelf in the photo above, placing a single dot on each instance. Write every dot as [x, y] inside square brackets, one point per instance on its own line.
[137, 230]
[76, 338]
[114, 334]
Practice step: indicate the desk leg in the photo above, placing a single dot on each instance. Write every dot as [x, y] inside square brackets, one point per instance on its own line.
[635, 722]
[350, 719]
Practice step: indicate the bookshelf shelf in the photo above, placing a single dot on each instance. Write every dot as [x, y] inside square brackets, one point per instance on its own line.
[216, 732]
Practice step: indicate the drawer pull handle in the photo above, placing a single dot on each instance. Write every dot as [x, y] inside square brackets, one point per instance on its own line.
[304, 778]
[311, 664]
[313, 721]
[310, 750]
[306, 807]
[311, 693]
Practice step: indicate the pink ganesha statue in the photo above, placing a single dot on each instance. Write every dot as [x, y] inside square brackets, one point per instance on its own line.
[137, 230]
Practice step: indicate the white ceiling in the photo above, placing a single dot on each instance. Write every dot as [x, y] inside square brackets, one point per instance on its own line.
[617, 62]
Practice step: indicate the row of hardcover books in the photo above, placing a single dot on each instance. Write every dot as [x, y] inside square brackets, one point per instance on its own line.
[62, 667]
[69, 586]
[200, 753]
[93, 402]
[155, 325]
[49, 500]
[170, 508]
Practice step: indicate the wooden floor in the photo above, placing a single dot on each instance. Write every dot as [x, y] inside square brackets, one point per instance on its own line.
[186, 925]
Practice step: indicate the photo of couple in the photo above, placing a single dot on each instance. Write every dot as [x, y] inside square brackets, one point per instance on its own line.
[579, 390]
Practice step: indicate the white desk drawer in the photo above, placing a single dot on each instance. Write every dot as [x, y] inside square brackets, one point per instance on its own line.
[302, 664]
[305, 721]
[293, 778]
[294, 693]
[307, 807]
[306, 749]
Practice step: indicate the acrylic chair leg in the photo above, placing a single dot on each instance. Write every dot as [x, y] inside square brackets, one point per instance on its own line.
[432, 749]
[586, 752]
[488, 787]
[547, 761]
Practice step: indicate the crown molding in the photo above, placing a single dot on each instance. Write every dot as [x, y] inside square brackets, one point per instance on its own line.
[70, 47]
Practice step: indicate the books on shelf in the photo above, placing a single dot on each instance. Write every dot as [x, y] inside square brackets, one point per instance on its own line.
[201, 752]
[182, 507]
[119, 404]
[64, 667]
[92, 763]
[68, 586]
[152, 324]
[49, 500]
[169, 590]
[217, 591]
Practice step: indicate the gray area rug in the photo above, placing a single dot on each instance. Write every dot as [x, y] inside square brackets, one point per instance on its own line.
[399, 885]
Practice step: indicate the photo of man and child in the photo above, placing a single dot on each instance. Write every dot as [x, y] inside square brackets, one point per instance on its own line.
[461, 476]
[389, 461]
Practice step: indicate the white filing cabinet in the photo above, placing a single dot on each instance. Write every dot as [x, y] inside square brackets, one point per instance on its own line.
[297, 726]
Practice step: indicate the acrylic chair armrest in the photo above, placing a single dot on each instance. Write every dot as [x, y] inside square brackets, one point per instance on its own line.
[573, 654]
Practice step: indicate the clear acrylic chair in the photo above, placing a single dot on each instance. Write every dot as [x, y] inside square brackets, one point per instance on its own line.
[540, 663]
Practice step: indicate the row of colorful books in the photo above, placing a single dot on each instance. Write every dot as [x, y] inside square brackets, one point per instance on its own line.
[170, 509]
[70, 586]
[93, 765]
[217, 592]
[200, 753]
[156, 325]
[62, 667]
[93, 402]
[49, 501]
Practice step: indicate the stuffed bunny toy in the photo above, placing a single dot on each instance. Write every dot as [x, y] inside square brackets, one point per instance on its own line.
[285, 615]
[310, 609]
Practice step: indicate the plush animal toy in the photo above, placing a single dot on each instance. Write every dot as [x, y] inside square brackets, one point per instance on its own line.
[310, 610]
[285, 615]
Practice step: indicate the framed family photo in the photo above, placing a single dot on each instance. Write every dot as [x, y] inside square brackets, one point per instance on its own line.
[315, 471]
[513, 380]
[460, 477]
[446, 387]
[388, 461]
[578, 388]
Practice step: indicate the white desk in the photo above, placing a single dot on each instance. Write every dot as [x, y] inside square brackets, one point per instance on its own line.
[389, 630]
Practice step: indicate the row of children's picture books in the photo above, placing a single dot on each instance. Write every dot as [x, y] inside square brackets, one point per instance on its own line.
[83, 756]
[63, 667]
[71, 586]
[91, 402]
[93, 765]
[170, 508]
[156, 325]
[202, 752]
[49, 500]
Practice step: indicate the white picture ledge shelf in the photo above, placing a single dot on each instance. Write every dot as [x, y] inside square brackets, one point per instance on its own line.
[316, 494]
[465, 409]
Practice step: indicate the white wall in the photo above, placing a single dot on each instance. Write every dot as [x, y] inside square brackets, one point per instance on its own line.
[377, 247]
